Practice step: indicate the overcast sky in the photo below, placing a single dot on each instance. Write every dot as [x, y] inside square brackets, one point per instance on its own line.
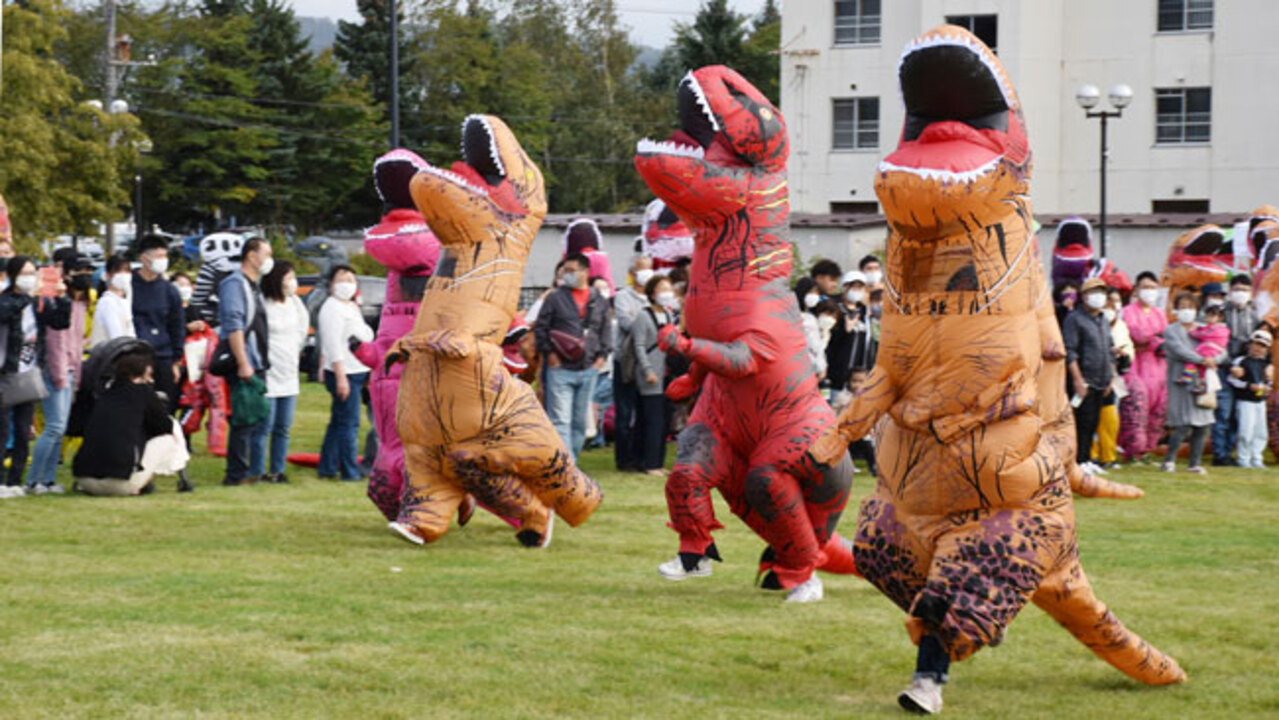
[651, 21]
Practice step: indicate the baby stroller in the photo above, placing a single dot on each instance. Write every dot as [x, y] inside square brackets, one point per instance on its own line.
[96, 377]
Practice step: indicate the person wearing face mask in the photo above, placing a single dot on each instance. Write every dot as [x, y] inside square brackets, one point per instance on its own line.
[1106, 447]
[1185, 417]
[573, 333]
[602, 396]
[113, 316]
[344, 374]
[650, 373]
[1146, 322]
[852, 343]
[200, 390]
[27, 313]
[1065, 298]
[6, 251]
[63, 360]
[158, 317]
[627, 305]
[1242, 318]
[1091, 365]
[287, 323]
[242, 325]
[873, 270]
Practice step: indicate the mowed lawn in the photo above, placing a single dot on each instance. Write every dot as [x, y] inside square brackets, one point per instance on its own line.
[294, 601]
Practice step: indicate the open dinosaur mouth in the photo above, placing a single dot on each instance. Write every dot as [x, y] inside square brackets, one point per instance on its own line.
[1204, 244]
[698, 125]
[1204, 251]
[392, 173]
[1073, 239]
[481, 167]
[957, 110]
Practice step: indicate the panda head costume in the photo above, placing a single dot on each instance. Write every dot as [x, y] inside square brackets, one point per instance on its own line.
[222, 250]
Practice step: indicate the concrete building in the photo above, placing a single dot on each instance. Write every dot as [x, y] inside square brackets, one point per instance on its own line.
[1198, 136]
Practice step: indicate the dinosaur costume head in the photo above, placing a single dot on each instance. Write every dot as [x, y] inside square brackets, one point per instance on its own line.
[665, 238]
[729, 135]
[401, 242]
[1073, 257]
[1197, 257]
[495, 188]
[1263, 214]
[963, 145]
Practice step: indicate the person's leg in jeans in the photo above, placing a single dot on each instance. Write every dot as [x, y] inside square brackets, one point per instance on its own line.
[282, 411]
[1224, 422]
[23, 416]
[1087, 416]
[625, 398]
[1197, 437]
[57, 407]
[583, 386]
[329, 449]
[349, 430]
[559, 402]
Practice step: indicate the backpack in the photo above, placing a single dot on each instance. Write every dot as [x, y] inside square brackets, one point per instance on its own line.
[626, 361]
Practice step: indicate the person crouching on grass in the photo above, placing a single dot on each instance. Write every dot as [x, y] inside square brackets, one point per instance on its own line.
[1252, 378]
[130, 436]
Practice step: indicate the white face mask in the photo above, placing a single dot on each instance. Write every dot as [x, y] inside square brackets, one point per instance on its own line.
[855, 296]
[1186, 316]
[185, 292]
[603, 291]
[344, 290]
[1109, 314]
[874, 276]
[1214, 302]
[811, 300]
[27, 284]
[267, 266]
[667, 300]
[1240, 297]
[826, 322]
[1095, 300]
[642, 277]
[570, 280]
[290, 287]
[122, 282]
[1148, 296]
[159, 266]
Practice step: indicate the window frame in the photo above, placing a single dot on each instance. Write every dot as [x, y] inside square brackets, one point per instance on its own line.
[1182, 119]
[858, 24]
[971, 25]
[1186, 12]
[859, 126]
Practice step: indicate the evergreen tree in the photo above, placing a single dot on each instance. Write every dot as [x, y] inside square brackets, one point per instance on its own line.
[364, 49]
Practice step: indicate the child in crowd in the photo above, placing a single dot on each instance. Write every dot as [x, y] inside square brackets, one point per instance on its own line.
[1213, 336]
[863, 449]
[1252, 378]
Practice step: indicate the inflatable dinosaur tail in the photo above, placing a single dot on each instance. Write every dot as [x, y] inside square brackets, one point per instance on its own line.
[1089, 485]
[1068, 597]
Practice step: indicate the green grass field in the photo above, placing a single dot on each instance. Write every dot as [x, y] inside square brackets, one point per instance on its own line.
[294, 601]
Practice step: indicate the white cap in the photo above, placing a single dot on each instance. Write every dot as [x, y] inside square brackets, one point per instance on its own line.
[853, 276]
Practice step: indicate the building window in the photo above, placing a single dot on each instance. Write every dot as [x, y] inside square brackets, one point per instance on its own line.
[985, 27]
[854, 207]
[1183, 115]
[1180, 15]
[857, 22]
[1160, 207]
[856, 123]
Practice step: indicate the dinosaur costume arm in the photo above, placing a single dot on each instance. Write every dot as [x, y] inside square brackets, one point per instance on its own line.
[737, 359]
[868, 405]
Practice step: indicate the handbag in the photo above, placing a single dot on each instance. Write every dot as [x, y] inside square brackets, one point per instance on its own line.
[223, 363]
[1208, 398]
[568, 346]
[23, 387]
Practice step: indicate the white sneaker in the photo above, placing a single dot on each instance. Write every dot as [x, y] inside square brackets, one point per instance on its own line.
[11, 491]
[674, 569]
[922, 697]
[1169, 467]
[56, 489]
[808, 591]
[37, 489]
[405, 532]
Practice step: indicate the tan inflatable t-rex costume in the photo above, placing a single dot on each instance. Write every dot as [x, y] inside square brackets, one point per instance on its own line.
[466, 424]
[972, 515]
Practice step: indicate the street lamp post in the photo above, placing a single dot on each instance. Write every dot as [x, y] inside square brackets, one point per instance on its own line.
[1088, 96]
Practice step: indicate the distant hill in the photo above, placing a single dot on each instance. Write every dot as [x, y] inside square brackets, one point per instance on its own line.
[647, 56]
[319, 31]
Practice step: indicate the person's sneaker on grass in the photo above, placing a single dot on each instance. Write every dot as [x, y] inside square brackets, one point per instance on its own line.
[677, 568]
[923, 697]
[36, 489]
[1169, 466]
[808, 591]
[55, 489]
[408, 532]
[1198, 470]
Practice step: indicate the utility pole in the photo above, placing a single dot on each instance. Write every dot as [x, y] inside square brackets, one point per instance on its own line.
[108, 98]
[393, 37]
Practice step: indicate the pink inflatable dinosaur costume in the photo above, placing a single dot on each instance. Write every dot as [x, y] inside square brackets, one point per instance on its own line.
[404, 244]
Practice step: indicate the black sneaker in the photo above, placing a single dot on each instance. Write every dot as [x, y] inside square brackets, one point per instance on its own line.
[184, 482]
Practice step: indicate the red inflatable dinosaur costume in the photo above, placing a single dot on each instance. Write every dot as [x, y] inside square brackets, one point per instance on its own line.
[972, 516]
[724, 175]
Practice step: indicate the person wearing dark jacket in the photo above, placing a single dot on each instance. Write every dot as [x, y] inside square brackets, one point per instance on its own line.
[130, 436]
[158, 317]
[573, 333]
[853, 344]
[27, 311]
[1090, 361]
